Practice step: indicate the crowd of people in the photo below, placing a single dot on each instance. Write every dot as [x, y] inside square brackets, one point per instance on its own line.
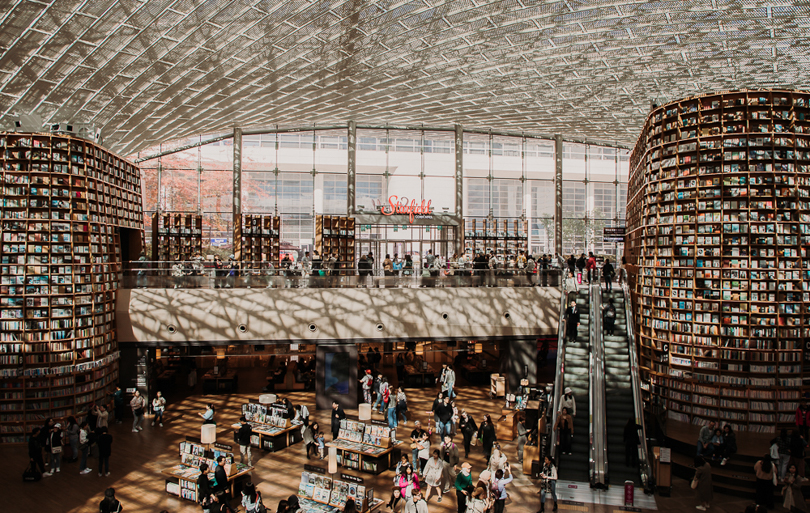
[783, 466]
[481, 264]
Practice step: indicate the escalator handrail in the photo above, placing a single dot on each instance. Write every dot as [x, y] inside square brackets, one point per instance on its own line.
[644, 460]
[559, 379]
[598, 413]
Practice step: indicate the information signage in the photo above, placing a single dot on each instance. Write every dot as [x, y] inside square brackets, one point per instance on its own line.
[613, 234]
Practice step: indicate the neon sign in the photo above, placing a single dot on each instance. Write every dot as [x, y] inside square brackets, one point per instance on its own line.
[413, 210]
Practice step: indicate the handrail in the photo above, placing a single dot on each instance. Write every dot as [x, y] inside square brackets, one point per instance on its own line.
[598, 427]
[644, 459]
[560, 376]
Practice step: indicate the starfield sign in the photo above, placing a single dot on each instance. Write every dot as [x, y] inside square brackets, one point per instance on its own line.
[413, 210]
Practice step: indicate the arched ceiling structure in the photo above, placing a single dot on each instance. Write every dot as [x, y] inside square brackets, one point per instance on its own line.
[147, 71]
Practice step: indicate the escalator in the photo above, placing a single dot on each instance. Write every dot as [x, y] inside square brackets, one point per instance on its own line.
[575, 467]
[618, 393]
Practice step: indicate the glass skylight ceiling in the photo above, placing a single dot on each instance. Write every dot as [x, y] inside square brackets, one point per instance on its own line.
[158, 70]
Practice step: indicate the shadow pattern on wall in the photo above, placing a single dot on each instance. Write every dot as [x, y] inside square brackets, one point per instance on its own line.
[228, 316]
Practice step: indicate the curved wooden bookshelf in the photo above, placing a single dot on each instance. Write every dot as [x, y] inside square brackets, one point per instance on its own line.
[66, 206]
[718, 223]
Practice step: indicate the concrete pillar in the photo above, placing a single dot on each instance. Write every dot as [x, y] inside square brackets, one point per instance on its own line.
[459, 176]
[520, 361]
[351, 175]
[558, 194]
[237, 193]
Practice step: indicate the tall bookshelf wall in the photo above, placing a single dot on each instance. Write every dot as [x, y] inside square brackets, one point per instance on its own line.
[335, 234]
[64, 202]
[176, 236]
[258, 238]
[719, 230]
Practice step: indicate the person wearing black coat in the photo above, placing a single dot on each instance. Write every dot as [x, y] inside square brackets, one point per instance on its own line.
[337, 415]
[572, 321]
[468, 428]
[221, 477]
[631, 441]
[204, 489]
[110, 504]
[608, 273]
[572, 264]
[104, 443]
[488, 437]
[243, 437]
[581, 263]
[35, 450]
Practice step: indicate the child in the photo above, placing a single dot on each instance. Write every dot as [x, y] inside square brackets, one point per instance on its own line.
[320, 441]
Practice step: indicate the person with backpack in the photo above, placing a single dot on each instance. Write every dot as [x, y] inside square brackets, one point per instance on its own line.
[609, 317]
[502, 478]
[251, 499]
[366, 382]
[110, 504]
[608, 273]
[386, 395]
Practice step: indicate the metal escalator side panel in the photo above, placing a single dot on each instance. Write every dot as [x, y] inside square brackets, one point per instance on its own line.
[598, 449]
[638, 406]
[559, 378]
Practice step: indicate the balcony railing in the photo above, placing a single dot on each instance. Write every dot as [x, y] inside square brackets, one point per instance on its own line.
[186, 275]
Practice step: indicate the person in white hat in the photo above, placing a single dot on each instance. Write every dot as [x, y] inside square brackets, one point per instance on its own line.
[55, 443]
[569, 402]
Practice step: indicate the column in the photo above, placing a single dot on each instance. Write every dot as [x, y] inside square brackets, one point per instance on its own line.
[351, 174]
[520, 362]
[460, 187]
[237, 193]
[558, 194]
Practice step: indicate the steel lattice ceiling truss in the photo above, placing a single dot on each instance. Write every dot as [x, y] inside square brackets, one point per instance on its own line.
[158, 70]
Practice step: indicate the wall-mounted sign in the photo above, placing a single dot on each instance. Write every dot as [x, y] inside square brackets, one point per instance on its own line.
[613, 234]
[219, 242]
[411, 208]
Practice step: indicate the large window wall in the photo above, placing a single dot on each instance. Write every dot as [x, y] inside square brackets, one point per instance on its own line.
[300, 174]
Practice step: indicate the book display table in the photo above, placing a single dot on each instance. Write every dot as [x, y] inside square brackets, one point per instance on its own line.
[181, 480]
[271, 430]
[319, 493]
[363, 447]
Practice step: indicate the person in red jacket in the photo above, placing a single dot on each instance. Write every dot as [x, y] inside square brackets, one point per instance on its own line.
[803, 419]
[590, 264]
